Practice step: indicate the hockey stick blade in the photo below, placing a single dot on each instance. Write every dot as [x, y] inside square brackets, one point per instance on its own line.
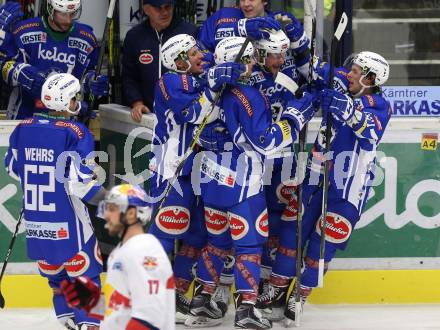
[287, 82]
[341, 26]
[298, 311]
[321, 273]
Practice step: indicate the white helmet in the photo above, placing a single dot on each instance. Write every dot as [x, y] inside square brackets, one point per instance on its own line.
[176, 48]
[58, 90]
[278, 43]
[125, 196]
[228, 49]
[64, 6]
[374, 63]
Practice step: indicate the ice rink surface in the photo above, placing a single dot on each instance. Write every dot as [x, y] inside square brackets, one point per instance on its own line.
[315, 317]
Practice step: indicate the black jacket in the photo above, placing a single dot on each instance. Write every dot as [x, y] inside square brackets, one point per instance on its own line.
[140, 62]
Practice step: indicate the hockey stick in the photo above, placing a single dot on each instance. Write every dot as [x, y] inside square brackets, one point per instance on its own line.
[116, 45]
[328, 134]
[300, 174]
[197, 135]
[111, 9]
[208, 8]
[37, 8]
[8, 254]
[194, 11]
[187, 11]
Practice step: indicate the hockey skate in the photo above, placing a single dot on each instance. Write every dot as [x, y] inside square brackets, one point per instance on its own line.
[70, 324]
[222, 297]
[203, 310]
[276, 302]
[263, 299]
[182, 308]
[249, 317]
[289, 312]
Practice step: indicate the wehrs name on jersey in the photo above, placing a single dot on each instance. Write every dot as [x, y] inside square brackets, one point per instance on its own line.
[39, 154]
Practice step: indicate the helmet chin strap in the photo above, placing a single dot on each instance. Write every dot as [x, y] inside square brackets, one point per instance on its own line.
[187, 70]
[358, 94]
[78, 108]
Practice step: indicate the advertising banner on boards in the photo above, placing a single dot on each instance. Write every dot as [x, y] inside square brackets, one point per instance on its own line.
[413, 101]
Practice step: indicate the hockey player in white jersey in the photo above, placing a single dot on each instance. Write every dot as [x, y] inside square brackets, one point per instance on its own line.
[139, 271]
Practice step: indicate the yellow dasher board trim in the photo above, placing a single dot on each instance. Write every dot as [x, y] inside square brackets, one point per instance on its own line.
[340, 287]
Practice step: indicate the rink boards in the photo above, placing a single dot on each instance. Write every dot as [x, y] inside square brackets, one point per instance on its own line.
[394, 253]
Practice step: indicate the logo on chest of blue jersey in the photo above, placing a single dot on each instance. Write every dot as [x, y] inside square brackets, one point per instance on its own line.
[33, 38]
[257, 77]
[80, 44]
[288, 63]
[55, 56]
[224, 33]
[270, 91]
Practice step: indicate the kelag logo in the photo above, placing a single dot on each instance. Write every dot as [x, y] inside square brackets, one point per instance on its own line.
[135, 15]
[413, 100]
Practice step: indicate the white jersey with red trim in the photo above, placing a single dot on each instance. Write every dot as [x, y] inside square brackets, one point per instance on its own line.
[142, 283]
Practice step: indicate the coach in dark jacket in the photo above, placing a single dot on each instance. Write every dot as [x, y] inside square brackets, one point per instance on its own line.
[141, 65]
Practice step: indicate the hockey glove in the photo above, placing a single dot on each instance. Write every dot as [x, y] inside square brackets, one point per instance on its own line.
[96, 85]
[300, 111]
[257, 28]
[81, 293]
[10, 13]
[226, 73]
[295, 32]
[206, 103]
[24, 75]
[214, 137]
[339, 104]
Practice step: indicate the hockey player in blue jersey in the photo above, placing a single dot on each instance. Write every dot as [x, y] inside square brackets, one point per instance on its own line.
[53, 158]
[252, 20]
[182, 100]
[232, 191]
[271, 56]
[39, 47]
[248, 20]
[274, 56]
[10, 14]
[359, 120]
